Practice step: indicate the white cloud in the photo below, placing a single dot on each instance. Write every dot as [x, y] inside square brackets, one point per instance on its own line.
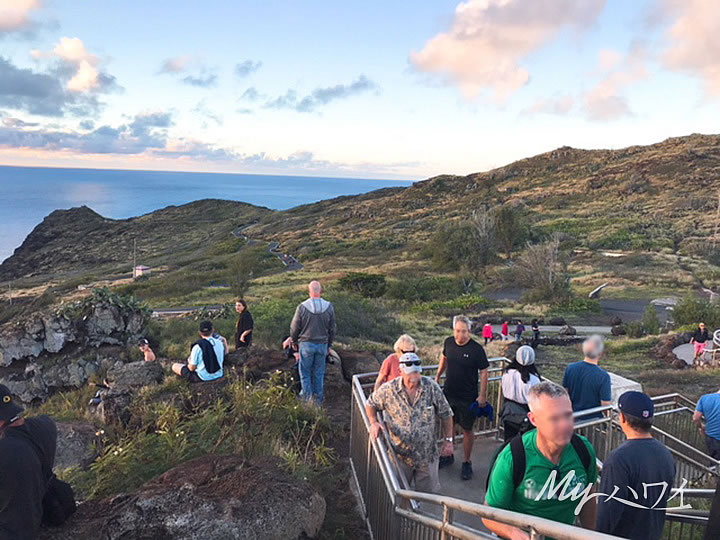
[177, 64]
[86, 76]
[606, 100]
[694, 40]
[488, 40]
[554, 105]
[15, 14]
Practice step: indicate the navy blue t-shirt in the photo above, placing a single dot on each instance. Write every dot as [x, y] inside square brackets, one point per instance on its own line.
[633, 463]
[588, 385]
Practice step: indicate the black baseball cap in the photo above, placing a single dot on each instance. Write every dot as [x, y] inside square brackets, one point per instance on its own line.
[9, 409]
[636, 404]
[206, 326]
[143, 341]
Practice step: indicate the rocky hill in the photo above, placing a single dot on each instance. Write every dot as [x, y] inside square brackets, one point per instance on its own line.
[661, 197]
[80, 239]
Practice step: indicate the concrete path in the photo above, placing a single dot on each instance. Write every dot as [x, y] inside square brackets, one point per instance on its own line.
[549, 329]
[472, 490]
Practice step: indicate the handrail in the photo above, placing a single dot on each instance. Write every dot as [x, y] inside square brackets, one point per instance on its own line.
[560, 531]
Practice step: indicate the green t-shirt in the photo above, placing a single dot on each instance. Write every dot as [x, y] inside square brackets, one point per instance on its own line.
[502, 494]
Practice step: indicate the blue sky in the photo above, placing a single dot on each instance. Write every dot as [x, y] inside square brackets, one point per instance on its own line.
[394, 89]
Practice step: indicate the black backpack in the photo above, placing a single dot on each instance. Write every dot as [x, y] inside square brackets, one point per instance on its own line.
[59, 500]
[517, 449]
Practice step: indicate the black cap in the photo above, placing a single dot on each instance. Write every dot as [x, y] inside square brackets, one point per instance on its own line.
[636, 404]
[9, 409]
[206, 326]
[143, 341]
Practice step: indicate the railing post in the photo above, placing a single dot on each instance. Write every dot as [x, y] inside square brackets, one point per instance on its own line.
[447, 520]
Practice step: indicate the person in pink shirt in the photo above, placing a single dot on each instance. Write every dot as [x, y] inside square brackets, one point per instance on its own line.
[487, 332]
[390, 368]
[505, 331]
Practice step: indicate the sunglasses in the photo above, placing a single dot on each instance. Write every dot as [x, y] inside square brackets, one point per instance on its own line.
[405, 352]
[412, 363]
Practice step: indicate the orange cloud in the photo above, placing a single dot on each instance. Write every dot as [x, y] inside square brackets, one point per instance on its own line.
[694, 38]
[488, 40]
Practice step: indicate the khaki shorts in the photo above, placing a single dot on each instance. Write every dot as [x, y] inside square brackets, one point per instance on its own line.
[425, 477]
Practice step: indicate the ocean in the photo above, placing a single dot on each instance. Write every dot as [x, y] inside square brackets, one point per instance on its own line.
[31, 193]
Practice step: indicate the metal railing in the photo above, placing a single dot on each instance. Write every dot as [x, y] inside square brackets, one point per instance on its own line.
[392, 510]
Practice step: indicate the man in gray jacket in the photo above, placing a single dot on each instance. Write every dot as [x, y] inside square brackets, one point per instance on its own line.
[312, 331]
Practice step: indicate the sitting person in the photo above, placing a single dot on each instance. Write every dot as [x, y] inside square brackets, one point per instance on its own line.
[205, 362]
[27, 456]
[148, 354]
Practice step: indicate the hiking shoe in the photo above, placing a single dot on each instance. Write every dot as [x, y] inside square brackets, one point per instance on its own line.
[466, 473]
[445, 461]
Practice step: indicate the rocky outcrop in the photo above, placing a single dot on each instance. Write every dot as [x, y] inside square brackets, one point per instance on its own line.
[567, 330]
[50, 333]
[78, 445]
[209, 498]
[357, 362]
[663, 350]
[135, 374]
[61, 349]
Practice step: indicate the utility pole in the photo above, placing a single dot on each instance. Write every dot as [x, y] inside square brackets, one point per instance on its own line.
[134, 272]
[10, 291]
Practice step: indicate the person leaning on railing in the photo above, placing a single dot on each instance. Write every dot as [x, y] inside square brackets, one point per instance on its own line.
[529, 468]
[411, 406]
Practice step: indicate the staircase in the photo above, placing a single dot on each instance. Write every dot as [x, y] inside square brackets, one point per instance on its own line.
[394, 511]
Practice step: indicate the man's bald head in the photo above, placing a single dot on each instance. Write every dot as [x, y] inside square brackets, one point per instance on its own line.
[315, 289]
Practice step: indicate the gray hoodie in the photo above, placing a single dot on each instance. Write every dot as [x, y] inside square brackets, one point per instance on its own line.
[314, 321]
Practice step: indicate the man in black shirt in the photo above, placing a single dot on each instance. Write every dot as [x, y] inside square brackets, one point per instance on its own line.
[643, 471]
[27, 455]
[463, 357]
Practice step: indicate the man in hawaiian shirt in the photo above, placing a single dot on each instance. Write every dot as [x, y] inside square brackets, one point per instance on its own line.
[411, 405]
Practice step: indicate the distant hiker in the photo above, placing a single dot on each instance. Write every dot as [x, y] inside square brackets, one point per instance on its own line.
[205, 362]
[641, 469]
[27, 457]
[518, 377]
[463, 358]
[519, 329]
[412, 405]
[536, 333]
[148, 353]
[708, 407]
[487, 332]
[700, 338]
[519, 478]
[586, 382]
[390, 368]
[312, 331]
[505, 331]
[244, 326]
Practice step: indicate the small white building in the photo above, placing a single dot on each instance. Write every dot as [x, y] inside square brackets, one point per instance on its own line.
[141, 270]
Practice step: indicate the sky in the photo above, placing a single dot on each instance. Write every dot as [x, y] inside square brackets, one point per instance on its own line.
[392, 89]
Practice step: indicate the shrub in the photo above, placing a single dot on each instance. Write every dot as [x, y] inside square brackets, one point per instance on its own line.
[248, 419]
[635, 329]
[650, 320]
[368, 285]
[691, 310]
[424, 289]
[363, 318]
